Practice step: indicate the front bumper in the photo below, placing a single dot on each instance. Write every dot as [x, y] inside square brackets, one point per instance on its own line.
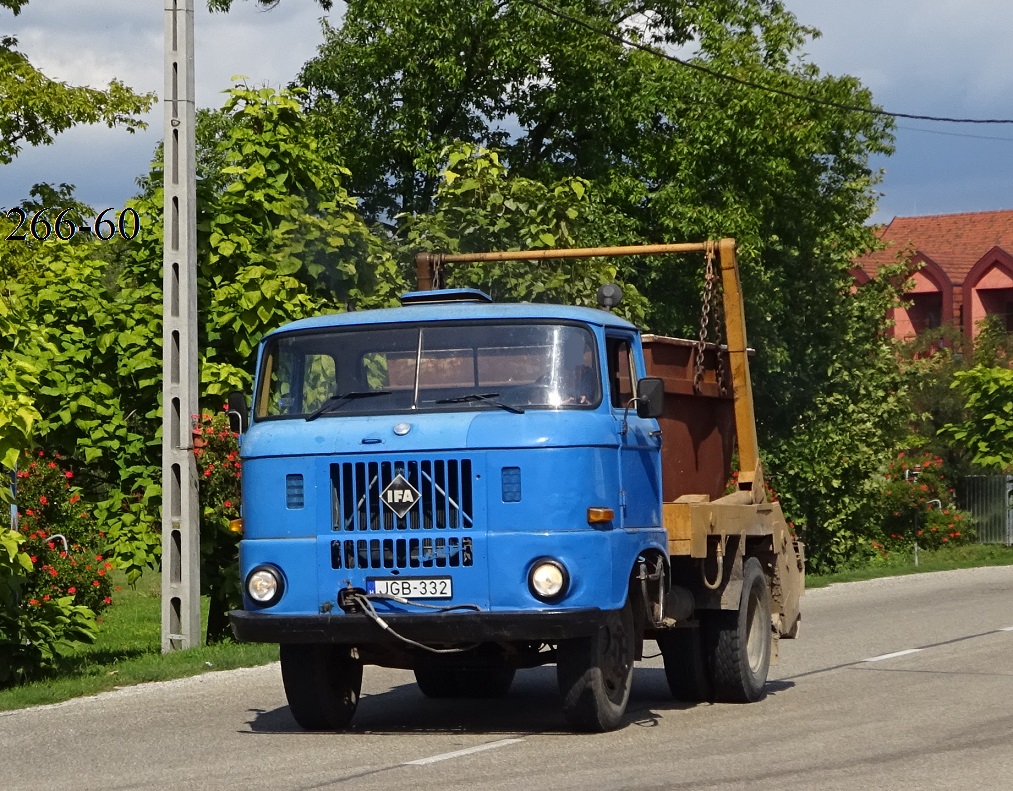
[443, 628]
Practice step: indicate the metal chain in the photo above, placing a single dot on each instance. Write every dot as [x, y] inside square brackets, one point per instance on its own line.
[437, 275]
[719, 327]
[705, 314]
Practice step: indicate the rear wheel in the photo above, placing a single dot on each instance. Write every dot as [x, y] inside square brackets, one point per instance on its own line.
[740, 641]
[464, 682]
[322, 684]
[595, 673]
[686, 669]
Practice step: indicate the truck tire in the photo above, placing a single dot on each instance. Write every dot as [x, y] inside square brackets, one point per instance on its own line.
[595, 673]
[322, 684]
[464, 682]
[684, 652]
[740, 641]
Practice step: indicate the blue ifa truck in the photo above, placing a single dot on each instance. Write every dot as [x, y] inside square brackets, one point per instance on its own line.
[465, 489]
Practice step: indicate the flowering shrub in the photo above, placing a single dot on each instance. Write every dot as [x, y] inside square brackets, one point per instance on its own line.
[49, 507]
[920, 506]
[216, 449]
[32, 636]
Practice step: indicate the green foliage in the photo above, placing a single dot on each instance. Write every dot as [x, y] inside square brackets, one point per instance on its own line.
[987, 428]
[279, 237]
[225, 5]
[480, 206]
[993, 344]
[830, 467]
[34, 108]
[216, 449]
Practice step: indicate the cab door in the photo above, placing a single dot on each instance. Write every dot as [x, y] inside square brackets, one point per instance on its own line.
[639, 439]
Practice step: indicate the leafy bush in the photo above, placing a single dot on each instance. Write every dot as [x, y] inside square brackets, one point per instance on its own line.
[216, 449]
[987, 428]
[32, 636]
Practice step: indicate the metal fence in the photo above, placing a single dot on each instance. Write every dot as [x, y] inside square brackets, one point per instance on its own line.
[989, 498]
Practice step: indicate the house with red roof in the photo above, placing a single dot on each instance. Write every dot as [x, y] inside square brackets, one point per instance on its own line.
[964, 270]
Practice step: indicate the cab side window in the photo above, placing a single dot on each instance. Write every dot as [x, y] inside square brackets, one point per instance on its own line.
[621, 371]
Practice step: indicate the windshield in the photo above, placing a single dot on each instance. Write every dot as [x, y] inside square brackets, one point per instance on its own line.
[433, 367]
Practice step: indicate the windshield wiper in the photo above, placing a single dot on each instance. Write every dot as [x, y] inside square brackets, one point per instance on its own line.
[487, 398]
[338, 400]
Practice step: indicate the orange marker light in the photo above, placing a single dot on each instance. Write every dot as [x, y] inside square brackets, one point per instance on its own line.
[596, 515]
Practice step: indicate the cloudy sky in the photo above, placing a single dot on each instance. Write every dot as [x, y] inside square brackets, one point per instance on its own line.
[926, 57]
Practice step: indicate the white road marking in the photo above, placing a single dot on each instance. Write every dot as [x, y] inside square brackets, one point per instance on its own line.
[458, 753]
[891, 656]
[1007, 629]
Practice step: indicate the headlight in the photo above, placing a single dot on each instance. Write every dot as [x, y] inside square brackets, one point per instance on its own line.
[548, 579]
[265, 584]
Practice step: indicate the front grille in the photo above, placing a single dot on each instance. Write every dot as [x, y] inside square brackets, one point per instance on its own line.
[444, 495]
[402, 553]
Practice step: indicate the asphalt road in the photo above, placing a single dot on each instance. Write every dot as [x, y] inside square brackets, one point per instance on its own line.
[902, 683]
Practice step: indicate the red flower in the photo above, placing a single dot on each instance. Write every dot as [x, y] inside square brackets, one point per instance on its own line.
[74, 498]
[43, 500]
[227, 503]
[107, 600]
[68, 474]
[46, 597]
[96, 583]
[71, 590]
[34, 602]
[52, 465]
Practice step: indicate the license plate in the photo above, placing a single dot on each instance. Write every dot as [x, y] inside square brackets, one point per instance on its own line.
[412, 587]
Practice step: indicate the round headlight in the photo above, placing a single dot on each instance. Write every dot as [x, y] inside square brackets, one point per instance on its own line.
[264, 585]
[548, 579]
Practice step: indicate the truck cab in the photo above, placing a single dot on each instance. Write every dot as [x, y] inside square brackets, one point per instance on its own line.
[476, 478]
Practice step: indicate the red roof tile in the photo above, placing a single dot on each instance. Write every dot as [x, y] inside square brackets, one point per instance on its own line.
[954, 241]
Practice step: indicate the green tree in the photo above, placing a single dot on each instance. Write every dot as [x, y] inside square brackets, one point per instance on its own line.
[479, 205]
[34, 107]
[672, 150]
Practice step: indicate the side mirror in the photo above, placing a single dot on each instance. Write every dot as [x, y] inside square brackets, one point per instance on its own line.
[239, 413]
[650, 397]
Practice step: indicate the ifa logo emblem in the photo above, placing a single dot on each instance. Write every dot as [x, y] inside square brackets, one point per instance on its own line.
[400, 496]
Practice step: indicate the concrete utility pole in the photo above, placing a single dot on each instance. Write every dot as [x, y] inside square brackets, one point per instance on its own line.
[180, 506]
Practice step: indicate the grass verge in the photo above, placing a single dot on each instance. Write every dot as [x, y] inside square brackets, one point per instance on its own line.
[128, 648]
[128, 651]
[965, 557]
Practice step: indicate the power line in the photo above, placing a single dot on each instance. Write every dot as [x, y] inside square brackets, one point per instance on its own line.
[955, 134]
[757, 86]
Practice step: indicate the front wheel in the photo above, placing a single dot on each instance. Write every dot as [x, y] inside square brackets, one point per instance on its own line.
[322, 684]
[595, 673]
[740, 641]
